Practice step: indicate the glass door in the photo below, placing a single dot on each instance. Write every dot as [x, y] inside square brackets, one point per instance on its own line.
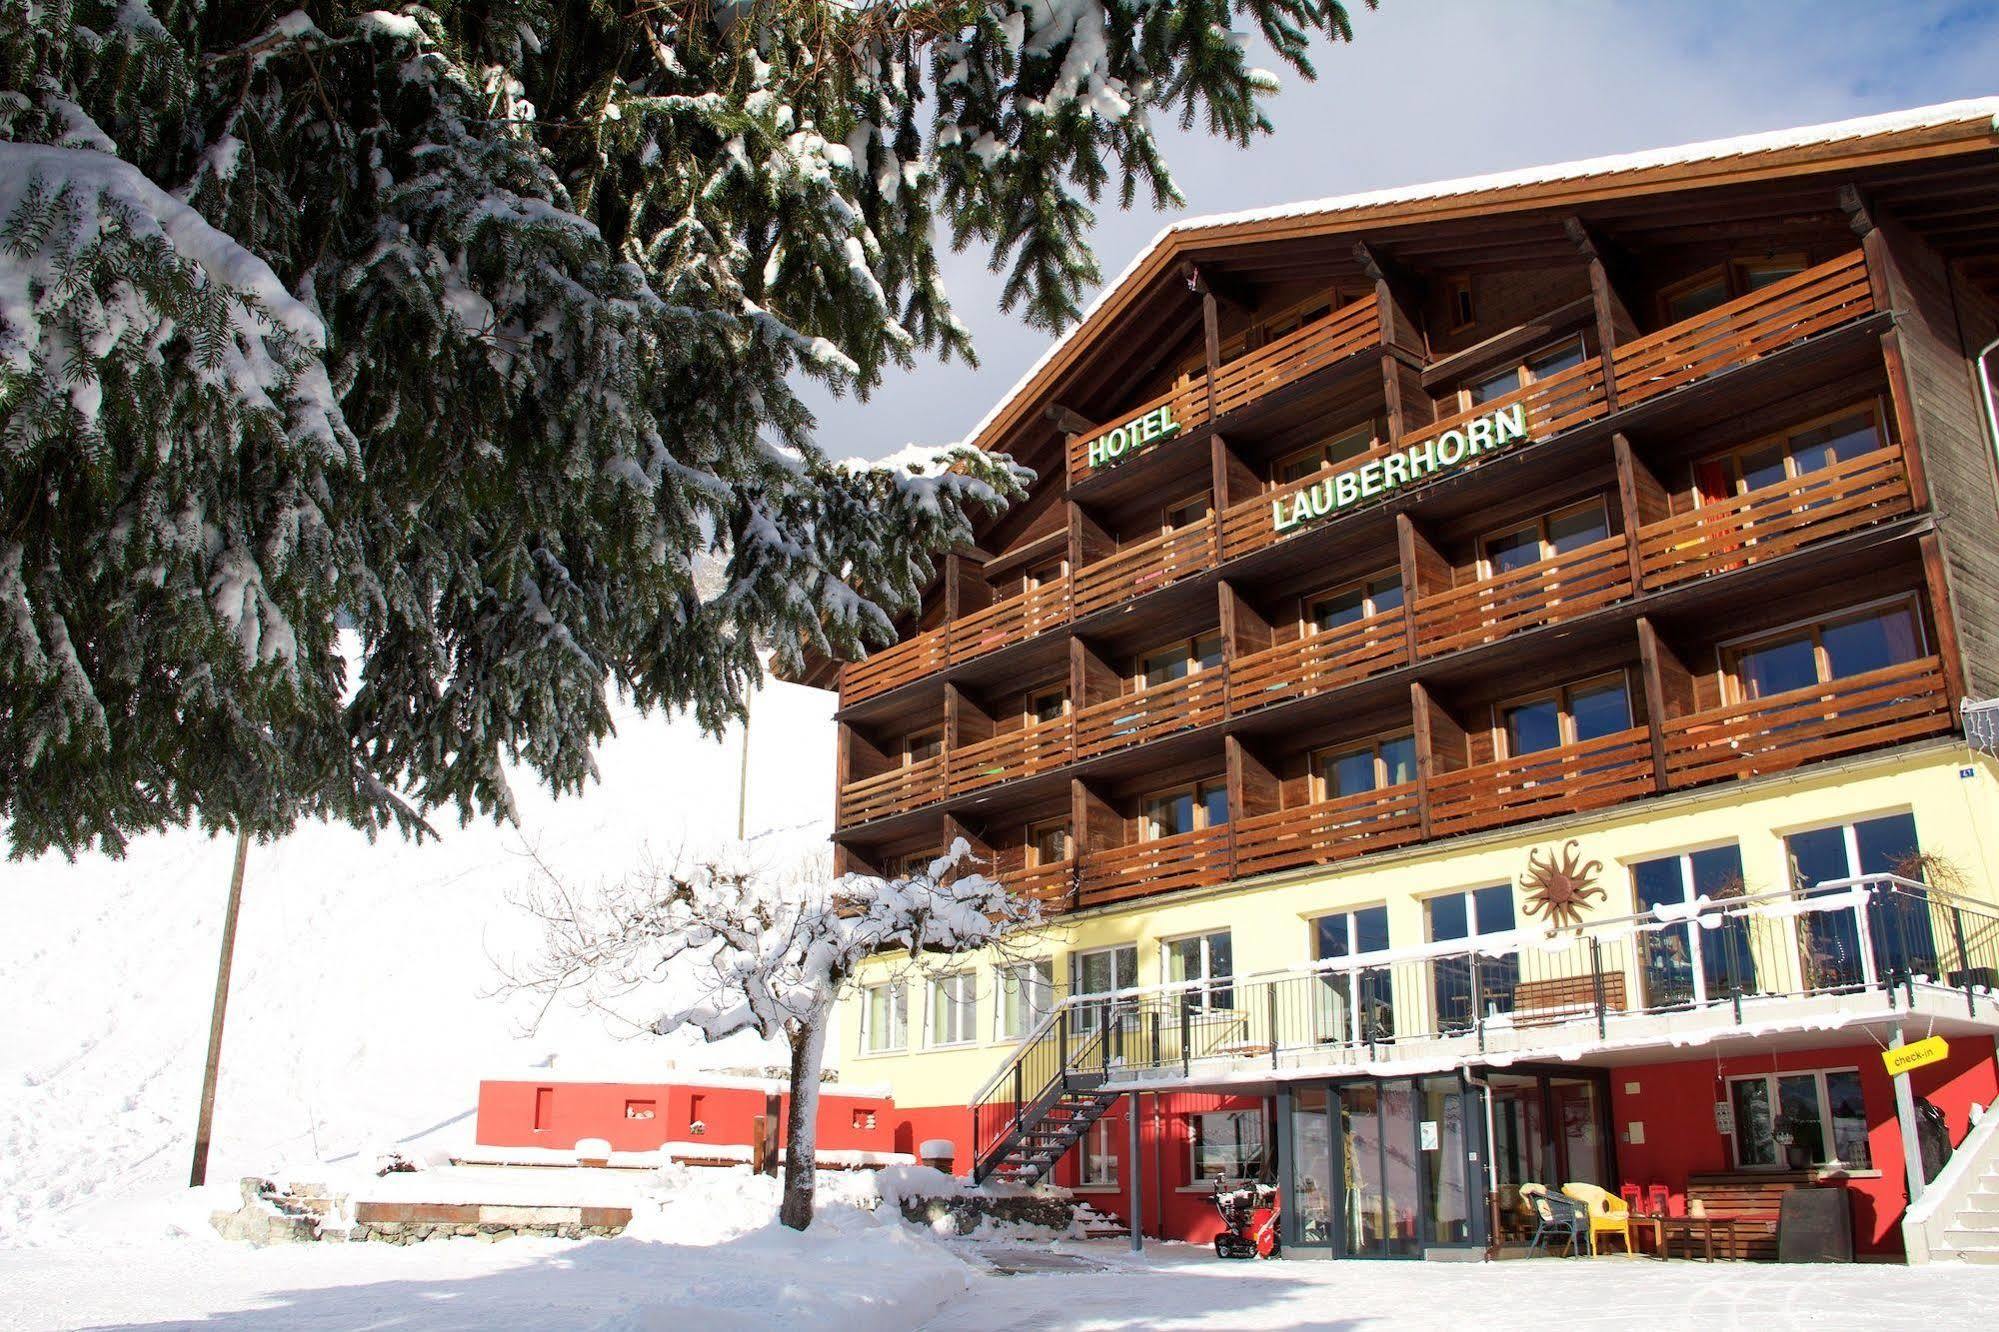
[1310, 1196]
[1381, 1173]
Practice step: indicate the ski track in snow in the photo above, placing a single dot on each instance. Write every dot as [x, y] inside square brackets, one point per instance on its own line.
[362, 1011]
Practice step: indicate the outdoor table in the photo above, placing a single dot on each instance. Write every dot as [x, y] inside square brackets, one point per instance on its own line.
[1666, 1227]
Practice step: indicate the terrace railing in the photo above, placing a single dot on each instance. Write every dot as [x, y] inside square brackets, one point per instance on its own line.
[1782, 731]
[1328, 830]
[1315, 662]
[892, 667]
[1774, 520]
[1565, 780]
[1012, 755]
[1004, 623]
[1185, 860]
[891, 792]
[1146, 566]
[1562, 587]
[1150, 713]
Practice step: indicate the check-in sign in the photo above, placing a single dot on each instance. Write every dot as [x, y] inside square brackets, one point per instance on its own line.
[1903, 1058]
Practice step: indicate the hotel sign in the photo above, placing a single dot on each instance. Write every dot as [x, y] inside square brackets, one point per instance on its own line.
[1117, 443]
[1441, 453]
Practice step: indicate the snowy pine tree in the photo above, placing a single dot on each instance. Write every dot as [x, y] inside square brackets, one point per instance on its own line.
[470, 328]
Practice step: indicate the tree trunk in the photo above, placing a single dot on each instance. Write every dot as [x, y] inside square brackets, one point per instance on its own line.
[801, 1128]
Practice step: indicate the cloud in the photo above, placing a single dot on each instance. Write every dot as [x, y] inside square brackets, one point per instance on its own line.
[1433, 89]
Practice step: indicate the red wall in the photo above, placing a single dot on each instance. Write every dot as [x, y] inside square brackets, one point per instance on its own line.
[598, 1110]
[1675, 1102]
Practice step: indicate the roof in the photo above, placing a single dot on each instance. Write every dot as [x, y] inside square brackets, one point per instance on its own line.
[1898, 135]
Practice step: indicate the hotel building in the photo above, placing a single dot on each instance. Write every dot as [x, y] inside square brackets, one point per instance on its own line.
[1483, 688]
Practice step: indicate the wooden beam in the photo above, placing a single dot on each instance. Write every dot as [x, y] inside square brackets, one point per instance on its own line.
[1902, 406]
[1253, 788]
[1233, 479]
[1244, 630]
[1654, 656]
[1642, 499]
[1937, 582]
[1439, 741]
[1209, 281]
[1424, 572]
[1067, 419]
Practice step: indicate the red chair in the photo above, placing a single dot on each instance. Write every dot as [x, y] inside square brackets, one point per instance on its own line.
[1661, 1199]
[1634, 1199]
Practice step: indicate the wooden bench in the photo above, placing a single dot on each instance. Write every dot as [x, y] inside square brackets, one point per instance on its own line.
[1752, 1201]
[1568, 995]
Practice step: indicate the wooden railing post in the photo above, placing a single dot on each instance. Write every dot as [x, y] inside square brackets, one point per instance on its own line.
[1652, 657]
[1943, 616]
[1613, 319]
[1628, 495]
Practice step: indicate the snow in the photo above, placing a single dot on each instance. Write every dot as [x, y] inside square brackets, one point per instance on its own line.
[363, 1012]
[1745, 145]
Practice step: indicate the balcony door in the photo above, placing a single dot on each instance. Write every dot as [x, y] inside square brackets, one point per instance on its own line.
[1570, 715]
[1829, 949]
[1466, 988]
[1101, 971]
[1823, 652]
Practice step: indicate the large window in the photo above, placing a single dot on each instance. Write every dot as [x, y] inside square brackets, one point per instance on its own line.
[1358, 769]
[1570, 715]
[1467, 988]
[1899, 922]
[1207, 963]
[1796, 452]
[1227, 1144]
[1099, 1153]
[1545, 537]
[1175, 661]
[1817, 1116]
[1027, 995]
[885, 1017]
[1687, 964]
[954, 1009]
[1371, 990]
[1354, 603]
[1101, 971]
[1549, 361]
[1705, 290]
[1184, 809]
[1815, 654]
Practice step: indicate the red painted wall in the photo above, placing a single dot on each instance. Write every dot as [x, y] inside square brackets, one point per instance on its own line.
[576, 1110]
[1675, 1103]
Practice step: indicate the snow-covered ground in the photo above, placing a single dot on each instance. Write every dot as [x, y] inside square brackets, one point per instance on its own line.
[363, 1012]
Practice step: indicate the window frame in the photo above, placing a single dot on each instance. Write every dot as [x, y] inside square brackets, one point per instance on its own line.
[898, 987]
[1315, 767]
[1728, 652]
[1189, 646]
[1195, 1125]
[1770, 1078]
[1733, 455]
[1095, 1154]
[1733, 272]
[1321, 451]
[1521, 367]
[1368, 586]
[1197, 791]
[1541, 523]
[1167, 512]
[1502, 743]
[1207, 992]
[933, 734]
[1031, 849]
[1032, 699]
[1007, 982]
[1460, 305]
[960, 1013]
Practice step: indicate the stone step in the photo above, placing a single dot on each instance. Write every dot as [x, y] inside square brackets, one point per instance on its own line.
[1979, 1219]
[1967, 1241]
[1988, 1256]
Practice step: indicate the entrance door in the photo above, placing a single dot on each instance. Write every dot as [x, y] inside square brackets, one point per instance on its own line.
[1310, 1196]
[1381, 1173]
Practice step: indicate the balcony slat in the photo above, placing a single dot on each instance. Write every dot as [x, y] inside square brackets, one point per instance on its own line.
[1353, 328]
[1317, 662]
[1776, 519]
[1787, 730]
[1146, 566]
[1566, 780]
[1012, 756]
[1186, 860]
[1051, 885]
[1328, 830]
[1189, 402]
[1136, 718]
[893, 791]
[1004, 623]
[1546, 592]
[892, 667]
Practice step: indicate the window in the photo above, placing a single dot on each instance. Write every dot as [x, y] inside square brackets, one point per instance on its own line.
[1797, 452]
[1354, 603]
[1553, 534]
[1543, 364]
[1470, 915]
[1048, 571]
[1048, 705]
[910, 865]
[1100, 972]
[1207, 962]
[1184, 514]
[1027, 995]
[1349, 934]
[954, 1009]
[1691, 964]
[1570, 715]
[885, 1017]
[1724, 282]
[641, 1109]
[1458, 294]
[1816, 654]
[921, 746]
[1176, 661]
[1227, 1144]
[1183, 810]
[1099, 1163]
[1899, 923]
[1343, 447]
[544, 1109]
[1374, 766]
[1817, 1114]
[1048, 843]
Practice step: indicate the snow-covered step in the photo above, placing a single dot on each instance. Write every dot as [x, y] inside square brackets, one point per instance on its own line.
[1970, 1241]
[1977, 1220]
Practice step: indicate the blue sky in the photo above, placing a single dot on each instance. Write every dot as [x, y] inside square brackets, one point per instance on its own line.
[1432, 89]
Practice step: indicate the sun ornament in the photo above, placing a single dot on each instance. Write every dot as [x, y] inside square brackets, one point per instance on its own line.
[1560, 888]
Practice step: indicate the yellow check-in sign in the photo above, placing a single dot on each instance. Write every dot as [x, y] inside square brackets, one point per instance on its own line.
[1903, 1058]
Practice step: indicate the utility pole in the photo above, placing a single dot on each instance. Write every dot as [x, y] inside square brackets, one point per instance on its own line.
[206, 1123]
[743, 781]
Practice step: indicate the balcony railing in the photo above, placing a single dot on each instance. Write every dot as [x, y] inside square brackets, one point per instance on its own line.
[892, 667]
[1776, 519]
[1562, 587]
[1185, 860]
[1316, 662]
[1146, 566]
[1878, 946]
[1328, 830]
[1004, 623]
[1783, 731]
[1012, 755]
[1739, 331]
[1052, 885]
[1564, 780]
[1348, 331]
[1160, 710]
[891, 792]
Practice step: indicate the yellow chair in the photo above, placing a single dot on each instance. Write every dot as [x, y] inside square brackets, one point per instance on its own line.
[1607, 1216]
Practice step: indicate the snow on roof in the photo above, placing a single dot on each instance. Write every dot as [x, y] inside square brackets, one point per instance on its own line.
[1710, 150]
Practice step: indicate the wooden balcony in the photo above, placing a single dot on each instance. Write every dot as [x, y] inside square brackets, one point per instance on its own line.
[1314, 663]
[1548, 591]
[1146, 566]
[1787, 730]
[1739, 331]
[1328, 831]
[1010, 756]
[1349, 331]
[1004, 623]
[1136, 718]
[893, 791]
[1052, 885]
[1776, 519]
[1566, 780]
[1187, 860]
[893, 667]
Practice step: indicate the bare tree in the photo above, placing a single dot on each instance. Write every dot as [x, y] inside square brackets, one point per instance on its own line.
[736, 943]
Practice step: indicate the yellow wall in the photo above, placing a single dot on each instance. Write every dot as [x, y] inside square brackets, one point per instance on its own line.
[1957, 818]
